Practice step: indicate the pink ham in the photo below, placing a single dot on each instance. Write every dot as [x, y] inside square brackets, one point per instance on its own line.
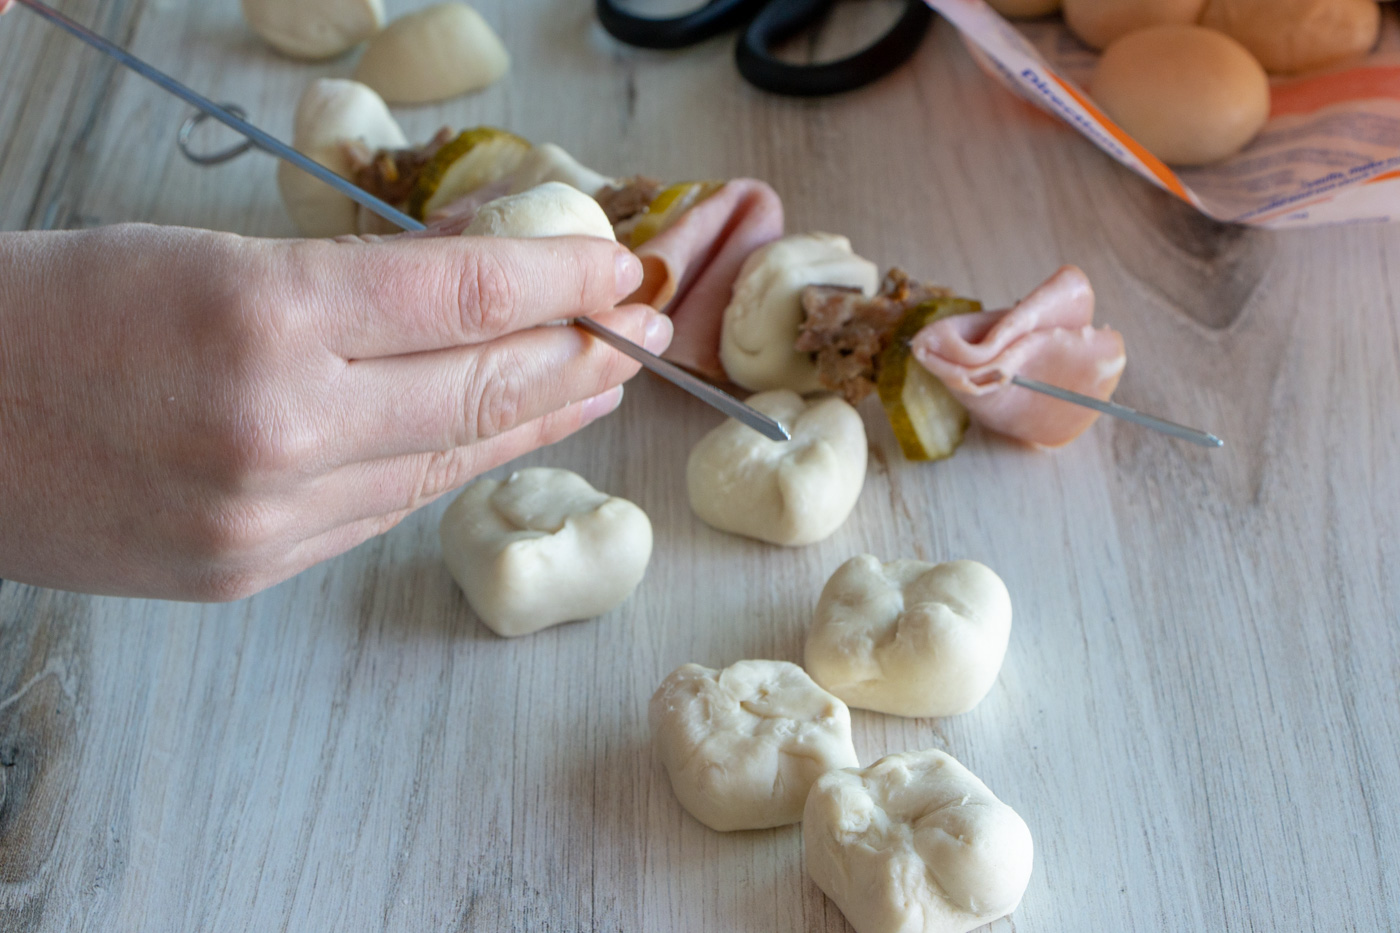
[1049, 337]
[691, 266]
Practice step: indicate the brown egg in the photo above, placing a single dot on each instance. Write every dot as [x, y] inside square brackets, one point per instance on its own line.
[1190, 95]
[1288, 36]
[1024, 9]
[1100, 22]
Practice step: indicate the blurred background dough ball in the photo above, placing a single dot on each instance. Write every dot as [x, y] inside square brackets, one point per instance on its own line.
[1289, 36]
[1189, 94]
[433, 54]
[314, 29]
[1100, 22]
[1024, 9]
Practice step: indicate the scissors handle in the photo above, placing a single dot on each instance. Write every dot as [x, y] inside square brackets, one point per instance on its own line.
[677, 32]
[780, 20]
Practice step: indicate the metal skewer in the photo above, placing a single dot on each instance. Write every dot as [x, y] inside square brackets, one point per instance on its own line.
[697, 387]
[232, 117]
[1121, 411]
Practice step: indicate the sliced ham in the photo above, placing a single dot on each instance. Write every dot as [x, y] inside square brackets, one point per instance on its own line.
[1049, 337]
[690, 267]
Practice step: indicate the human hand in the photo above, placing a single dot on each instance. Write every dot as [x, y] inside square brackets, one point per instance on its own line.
[193, 415]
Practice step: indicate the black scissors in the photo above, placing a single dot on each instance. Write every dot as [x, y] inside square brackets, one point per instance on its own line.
[770, 22]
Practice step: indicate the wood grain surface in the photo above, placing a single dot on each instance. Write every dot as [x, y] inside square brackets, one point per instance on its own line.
[1199, 714]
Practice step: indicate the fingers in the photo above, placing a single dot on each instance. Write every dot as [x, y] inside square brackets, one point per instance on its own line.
[408, 295]
[450, 398]
[358, 495]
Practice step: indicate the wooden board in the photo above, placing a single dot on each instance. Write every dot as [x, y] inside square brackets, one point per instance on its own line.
[1198, 715]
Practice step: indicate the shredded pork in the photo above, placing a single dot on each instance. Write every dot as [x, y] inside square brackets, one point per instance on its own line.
[847, 331]
[390, 174]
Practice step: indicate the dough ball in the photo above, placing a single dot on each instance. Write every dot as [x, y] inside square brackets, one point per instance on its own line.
[436, 53]
[1024, 9]
[543, 547]
[745, 744]
[549, 162]
[786, 492]
[910, 638]
[762, 320]
[1100, 22]
[1190, 95]
[314, 29]
[915, 843]
[330, 115]
[1289, 36]
[550, 209]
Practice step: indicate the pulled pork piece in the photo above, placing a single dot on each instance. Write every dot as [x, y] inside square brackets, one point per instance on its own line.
[628, 198]
[848, 331]
[390, 174]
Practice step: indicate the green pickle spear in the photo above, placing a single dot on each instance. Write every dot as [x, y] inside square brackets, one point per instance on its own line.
[928, 421]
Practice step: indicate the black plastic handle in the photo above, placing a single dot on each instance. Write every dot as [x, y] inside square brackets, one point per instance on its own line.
[713, 18]
[782, 19]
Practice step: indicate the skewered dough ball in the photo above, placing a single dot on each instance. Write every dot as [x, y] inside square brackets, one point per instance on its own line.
[1289, 36]
[1024, 9]
[786, 492]
[1189, 94]
[433, 54]
[744, 745]
[314, 29]
[763, 317]
[910, 638]
[1100, 22]
[331, 114]
[550, 209]
[548, 162]
[543, 547]
[915, 843]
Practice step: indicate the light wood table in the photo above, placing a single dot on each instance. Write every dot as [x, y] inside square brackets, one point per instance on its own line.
[1198, 715]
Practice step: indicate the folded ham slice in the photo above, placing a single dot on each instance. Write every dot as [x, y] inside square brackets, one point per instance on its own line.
[690, 267]
[1048, 336]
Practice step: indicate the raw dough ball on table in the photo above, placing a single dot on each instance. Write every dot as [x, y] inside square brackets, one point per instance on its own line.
[330, 115]
[915, 843]
[314, 29]
[744, 745]
[1100, 22]
[910, 638]
[762, 319]
[1289, 36]
[1019, 9]
[1189, 94]
[785, 492]
[550, 209]
[543, 547]
[435, 53]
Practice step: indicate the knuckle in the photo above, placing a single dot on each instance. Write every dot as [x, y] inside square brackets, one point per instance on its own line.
[226, 585]
[441, 473]
[254, 444]
[592, 290]
[493, 403]
[486, 297]
[231, 531]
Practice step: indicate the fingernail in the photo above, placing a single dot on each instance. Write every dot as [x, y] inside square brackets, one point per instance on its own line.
[658, 334]
[602, 404]
[629, 274]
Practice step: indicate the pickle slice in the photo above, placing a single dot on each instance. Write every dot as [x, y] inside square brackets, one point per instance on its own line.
[667, 207]
[476, 157]
[928, 421]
